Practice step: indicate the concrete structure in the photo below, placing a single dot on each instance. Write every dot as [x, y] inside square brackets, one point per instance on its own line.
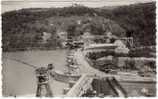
[66, 77]
[46, 36]
[80, 87]
[62, 37]
[116, 84]
[87, 82]
[87, 38]
[99, 47]
[121, 47]
[127, 41]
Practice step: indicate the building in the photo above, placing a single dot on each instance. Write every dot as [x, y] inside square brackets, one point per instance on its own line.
[100, 47]
[62, 37]
[87, 38]
[46, 36]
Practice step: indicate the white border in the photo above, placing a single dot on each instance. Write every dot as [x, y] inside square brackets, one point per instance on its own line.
[71, 97]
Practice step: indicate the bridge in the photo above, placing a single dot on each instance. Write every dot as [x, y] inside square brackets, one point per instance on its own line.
[107, 86]
[119, 90]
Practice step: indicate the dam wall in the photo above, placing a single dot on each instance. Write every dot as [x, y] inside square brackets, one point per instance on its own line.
[80, 87]
[59, 76]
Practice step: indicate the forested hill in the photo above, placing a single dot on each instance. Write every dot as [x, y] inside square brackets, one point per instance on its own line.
[23, 25]
[140, 20]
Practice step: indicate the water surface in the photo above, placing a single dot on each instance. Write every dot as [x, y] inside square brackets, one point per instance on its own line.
[19, 79]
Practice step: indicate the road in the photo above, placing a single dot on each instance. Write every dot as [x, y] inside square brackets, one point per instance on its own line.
[84, 65]
[86, 68]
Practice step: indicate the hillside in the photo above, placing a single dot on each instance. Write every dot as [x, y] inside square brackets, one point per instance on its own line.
[21, 27]
[138, 20]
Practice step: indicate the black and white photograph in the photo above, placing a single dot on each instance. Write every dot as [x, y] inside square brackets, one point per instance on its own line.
[78, 48]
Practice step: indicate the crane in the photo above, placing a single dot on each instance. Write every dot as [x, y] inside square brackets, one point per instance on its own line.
[42, 75]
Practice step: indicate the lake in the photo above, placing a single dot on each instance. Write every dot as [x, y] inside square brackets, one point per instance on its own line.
[19, 79]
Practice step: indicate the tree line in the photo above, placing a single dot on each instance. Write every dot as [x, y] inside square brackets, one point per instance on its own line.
[138, 21]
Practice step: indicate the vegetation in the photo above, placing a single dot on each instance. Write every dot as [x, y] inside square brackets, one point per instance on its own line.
[138, 21]
[99, 60]
[23, 28]
[132, 53]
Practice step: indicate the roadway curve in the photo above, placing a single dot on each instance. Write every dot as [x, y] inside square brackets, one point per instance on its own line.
[86, 68]
[84, 65]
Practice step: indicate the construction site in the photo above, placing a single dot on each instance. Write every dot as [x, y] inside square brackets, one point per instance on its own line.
[79, 51]
[77, 76]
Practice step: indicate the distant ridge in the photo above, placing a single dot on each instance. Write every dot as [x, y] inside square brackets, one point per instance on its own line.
[9, 5]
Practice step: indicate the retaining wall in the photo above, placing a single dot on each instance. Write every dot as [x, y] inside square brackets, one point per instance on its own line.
[81, 86]
[65, 77]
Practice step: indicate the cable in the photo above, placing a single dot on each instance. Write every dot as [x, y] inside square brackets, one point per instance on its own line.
[33, 66]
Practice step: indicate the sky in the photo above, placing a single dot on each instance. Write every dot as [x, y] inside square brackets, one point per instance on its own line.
[8, 5]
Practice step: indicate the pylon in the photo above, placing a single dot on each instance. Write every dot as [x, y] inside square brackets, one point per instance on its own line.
[44, 90]
[43, 87]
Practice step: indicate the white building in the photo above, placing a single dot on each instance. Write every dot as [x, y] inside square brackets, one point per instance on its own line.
[46, 36]
[100, 47]
[121, 47]
[87, 39]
